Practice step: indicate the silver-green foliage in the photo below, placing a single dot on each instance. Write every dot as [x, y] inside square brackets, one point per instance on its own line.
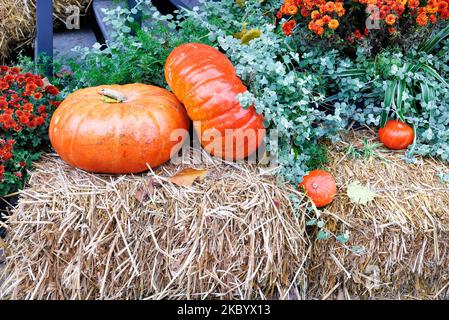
[409, 86]
[290, 98]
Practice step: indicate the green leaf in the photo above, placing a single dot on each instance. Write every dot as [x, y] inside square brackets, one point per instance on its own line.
[408, 67]
[415, 133]
[351, 73]
[343, 238]
[432, 72]
[389, 93]
[425, 92]
[383, 118]
[402, 86]
[433, 41]
[358, 249]
[444, 177]
[359, 194]
[388, 101]
[311, 222]
[332, 98]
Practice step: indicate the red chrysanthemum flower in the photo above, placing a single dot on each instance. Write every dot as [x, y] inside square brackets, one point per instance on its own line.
[52, 90]
[288, 27]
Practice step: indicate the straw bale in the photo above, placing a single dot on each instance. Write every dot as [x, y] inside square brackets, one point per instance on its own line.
[404, 232]
[236, 234]
[76, 235]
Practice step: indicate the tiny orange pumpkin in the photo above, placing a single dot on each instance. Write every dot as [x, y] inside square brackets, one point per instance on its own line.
[320, 186]
[396, 135]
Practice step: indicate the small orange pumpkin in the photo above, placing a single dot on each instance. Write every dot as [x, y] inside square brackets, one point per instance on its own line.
[118, 129]
[320, 186]
[396, 135]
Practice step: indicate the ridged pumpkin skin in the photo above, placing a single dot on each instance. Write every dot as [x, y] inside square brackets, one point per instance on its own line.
[320, 186]
[205, 81]
[102, 137]
[396, 135]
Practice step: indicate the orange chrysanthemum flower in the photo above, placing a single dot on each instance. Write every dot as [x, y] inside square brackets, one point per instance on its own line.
[413, 4]
[304, 12]
[319, 31]
[37, 95]
[391, 30]
[326, 19]
[315, 14]
[340, 11]
[358, 35]
[319, 22]
[291, 10]
[288, 27]
[311, 26]
[390, 19]
[333, 24]
[422, 19]
[433, 18]
[444, 14]
[329, 6]
[319, 14]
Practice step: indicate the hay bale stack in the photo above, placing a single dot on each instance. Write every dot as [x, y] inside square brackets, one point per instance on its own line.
[405, 231]
[18, 21]
[77, 235]
[236, 234]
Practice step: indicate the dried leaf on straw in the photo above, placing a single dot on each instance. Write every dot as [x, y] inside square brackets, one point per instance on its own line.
[188, 176]
[360, 194]
[145, 192]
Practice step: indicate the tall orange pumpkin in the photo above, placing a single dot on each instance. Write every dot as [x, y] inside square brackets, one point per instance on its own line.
[205, 81]
[118, 129]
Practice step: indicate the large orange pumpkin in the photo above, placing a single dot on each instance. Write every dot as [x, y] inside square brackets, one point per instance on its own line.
[118, 129]
[205, 81]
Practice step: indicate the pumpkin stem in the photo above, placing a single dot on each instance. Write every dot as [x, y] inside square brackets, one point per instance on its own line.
[112, 96]
[315, 185]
